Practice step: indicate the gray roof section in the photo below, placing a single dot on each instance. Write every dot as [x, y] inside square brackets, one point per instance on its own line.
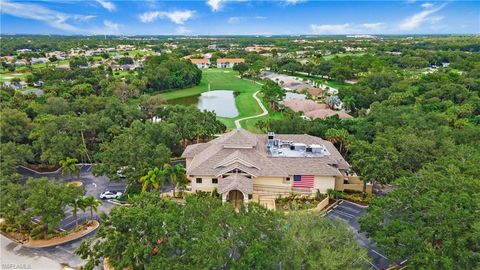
[235, 182]
[250, 155]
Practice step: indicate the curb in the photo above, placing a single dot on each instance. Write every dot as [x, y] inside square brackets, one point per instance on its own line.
[64, 242]
[359, 205]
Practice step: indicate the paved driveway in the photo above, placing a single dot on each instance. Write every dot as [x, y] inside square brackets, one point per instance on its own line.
[349, 212]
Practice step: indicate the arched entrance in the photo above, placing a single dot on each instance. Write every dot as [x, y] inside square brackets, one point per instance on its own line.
[236, 198]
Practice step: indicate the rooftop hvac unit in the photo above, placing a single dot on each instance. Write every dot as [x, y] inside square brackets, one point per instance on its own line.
[299, 146]
[318, 149]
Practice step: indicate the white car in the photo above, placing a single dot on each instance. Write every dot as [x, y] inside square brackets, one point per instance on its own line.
[110, 195]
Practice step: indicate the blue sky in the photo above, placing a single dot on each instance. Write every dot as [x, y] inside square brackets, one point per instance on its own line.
[238, 17]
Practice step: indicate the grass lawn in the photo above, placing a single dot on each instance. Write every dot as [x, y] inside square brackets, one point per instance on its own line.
[331, 56]
[224, 79]
[6, 77]
[249, 124]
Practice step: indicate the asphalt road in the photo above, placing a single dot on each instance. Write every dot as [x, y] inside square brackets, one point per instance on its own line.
[349, 213]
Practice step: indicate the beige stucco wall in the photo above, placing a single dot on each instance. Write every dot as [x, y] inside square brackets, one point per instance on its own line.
[323, 183]
[206, 184]
[274, 181]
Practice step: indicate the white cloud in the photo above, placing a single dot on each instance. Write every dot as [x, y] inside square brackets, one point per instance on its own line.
[346, 28]
[111, 26]
[215, 5]
[178, 17]
[331, 28]
[374, 26]
[110, 6]
[182, 30]
[58, 20]
[36, 12]
[83, 18]
[108, 28]
[427, 5]
[233, 20]
[418, 19]
[293, 2]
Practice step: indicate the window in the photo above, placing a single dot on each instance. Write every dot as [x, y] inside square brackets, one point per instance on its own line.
[198, 180]
[287, 179]
[214, 180]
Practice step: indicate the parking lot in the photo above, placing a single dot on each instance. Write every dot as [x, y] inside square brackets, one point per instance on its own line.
[94, 186]
[349, 212]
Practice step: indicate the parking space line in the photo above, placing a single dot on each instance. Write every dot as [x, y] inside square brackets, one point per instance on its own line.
[351, 209]
[376, 252]
[345, 214]
[342, 218]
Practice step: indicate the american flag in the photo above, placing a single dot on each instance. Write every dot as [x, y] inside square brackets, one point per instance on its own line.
[303, 181]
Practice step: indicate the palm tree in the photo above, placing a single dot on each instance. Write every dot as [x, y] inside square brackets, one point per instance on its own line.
[340, 138]
[69, 167]
[349, 104]
[153, 178]
[77, 204]
[176, 174]
[93, 203]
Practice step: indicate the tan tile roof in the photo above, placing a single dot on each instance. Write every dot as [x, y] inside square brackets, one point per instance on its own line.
[201, 60]
[194, 149]
[316, 92]
[230, 60]
[324, 113]
[223, 154]
[312, 109]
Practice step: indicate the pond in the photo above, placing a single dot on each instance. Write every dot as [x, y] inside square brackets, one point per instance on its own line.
[222, 102]
[293, 95]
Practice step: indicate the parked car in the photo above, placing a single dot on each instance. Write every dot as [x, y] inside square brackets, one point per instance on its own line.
[110, 195]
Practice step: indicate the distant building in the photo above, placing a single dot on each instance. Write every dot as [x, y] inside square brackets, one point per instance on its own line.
[201, 63]
[39, 60]
[258, 48]
[24, 50]
[228, 62]
[15, 85]
[20, 63]
[37, 92]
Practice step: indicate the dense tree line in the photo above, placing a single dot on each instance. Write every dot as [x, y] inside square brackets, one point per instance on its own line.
[422, 136]
[155, 233]
[164, 73]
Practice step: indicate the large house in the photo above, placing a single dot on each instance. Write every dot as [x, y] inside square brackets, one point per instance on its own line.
[201, 62]
[245, 167]
[228, 62]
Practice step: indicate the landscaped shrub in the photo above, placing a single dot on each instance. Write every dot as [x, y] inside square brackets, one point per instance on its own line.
[295, 201]
[36, 232]
[130, 191]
